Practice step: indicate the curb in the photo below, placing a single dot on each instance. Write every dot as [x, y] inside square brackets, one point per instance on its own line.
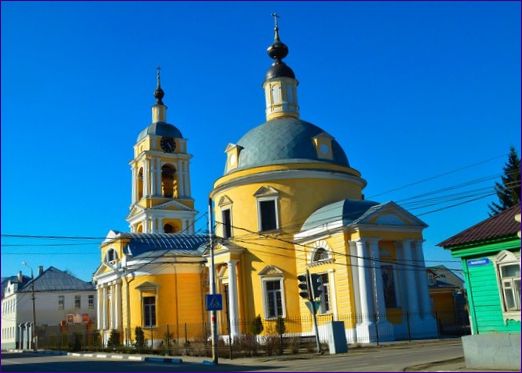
[420, 367]
[168, 360]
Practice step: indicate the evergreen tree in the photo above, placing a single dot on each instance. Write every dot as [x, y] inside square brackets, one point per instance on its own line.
[508, 191]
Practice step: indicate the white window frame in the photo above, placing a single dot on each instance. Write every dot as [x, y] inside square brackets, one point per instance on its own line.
[327, 289]
[155, 311]
[503, 259]
[62, 305]
[90, 304]
[276, 204]
[115, 256]
[79, 298]
[265, 297]
[229, 209]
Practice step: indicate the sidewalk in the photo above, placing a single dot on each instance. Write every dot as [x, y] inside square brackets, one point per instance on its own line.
[452, 365]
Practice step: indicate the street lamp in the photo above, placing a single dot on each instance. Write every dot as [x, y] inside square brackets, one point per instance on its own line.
[35, 347]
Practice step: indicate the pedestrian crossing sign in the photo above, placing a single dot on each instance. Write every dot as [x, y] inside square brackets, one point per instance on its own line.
[214, 302]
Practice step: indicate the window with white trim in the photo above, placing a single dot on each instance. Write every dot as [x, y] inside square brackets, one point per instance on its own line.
[325, 306]
[226, 219]
[61, 302]
[510, 283]
[508, 274]
[149, 311]
[77, 301]
[91, 301]
[273, 298]
[111, 256]
[268, 214]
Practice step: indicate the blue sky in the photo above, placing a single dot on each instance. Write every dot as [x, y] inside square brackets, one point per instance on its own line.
[410, 90]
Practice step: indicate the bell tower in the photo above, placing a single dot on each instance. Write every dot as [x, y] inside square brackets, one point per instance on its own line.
[161, 199]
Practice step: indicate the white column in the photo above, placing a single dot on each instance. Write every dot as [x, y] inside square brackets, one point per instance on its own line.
[410, 274]
[232, 299]
[180, 176]
[187, 179]
[153, 186]
[158, 178]
[99, 309]
[422, 281]
[364, 289]
[104, 307]
[111, 306]
[380, 302]
[117, 308]
[133, 183]
[146, 178]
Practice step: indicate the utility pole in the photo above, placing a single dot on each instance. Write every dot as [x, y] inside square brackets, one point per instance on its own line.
[213, 313]
[33, 331]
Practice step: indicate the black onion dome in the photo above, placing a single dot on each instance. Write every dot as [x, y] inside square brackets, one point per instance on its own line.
[158, 94]
[277, 51]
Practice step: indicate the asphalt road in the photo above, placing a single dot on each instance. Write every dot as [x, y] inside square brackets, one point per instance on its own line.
[386, 358]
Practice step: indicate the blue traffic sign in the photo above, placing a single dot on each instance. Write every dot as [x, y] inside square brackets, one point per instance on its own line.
[214, 302]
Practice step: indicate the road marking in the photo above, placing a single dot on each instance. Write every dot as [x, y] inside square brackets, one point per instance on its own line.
[138, 358]
[117, 356]
[101, 355]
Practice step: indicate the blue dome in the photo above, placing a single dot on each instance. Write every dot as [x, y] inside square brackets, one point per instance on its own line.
[284, 140]
[160, 129]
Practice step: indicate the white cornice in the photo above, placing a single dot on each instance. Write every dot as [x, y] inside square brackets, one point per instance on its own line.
[288, 174]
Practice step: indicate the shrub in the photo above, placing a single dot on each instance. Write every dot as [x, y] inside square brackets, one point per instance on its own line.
[114, 339]
[280, 329]
[139, 341]
[257, 326]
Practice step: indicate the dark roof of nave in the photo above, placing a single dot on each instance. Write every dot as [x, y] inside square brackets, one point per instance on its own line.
[499, 226]
[350, 211]
[178, 244]
[53, 279]
[160, 129]
[284, 140]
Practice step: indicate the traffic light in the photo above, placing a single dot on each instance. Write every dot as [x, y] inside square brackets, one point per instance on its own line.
[316, 285]
[303, 286]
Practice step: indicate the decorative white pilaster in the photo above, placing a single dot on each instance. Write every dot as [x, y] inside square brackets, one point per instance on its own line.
[134, 197]
[333, 294]
[104, 307]
[153, 171]
[179, 173]
[188, 190]
[146, 178]
[232, 299]
[111, 306]
[158, 178]
[380, 303]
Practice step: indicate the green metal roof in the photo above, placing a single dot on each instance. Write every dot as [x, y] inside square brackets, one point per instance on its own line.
[284, 140]
[350, 211]
[160, 129]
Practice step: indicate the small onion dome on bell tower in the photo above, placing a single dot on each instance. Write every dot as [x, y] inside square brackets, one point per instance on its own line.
[280, 84]
[277, 51]
[159, 110]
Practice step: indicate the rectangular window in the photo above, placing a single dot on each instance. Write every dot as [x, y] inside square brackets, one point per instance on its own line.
[227, 223]
[510, 283]
[77, 301]
[268, 215]
[388, 285]
[61, 302]
[274, 303]
[149, 312]
[91, 301]
[325, 295]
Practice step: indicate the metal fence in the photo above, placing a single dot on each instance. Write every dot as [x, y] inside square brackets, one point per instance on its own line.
[194, 338]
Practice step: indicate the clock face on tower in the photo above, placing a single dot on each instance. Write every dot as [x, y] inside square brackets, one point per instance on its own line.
[168, 144]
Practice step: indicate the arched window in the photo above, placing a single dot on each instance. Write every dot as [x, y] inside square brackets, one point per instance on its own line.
[168, 228]
[111, 256]
[169, 185]
[139, 229]
[320, 255]
[140, 184]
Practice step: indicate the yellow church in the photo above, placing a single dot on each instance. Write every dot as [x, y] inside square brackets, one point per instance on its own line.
[289, 202]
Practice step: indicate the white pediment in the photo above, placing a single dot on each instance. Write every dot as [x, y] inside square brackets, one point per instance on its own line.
[225, 200]
[390, 214]
[168, 206]
[266, 191]
[271, 270]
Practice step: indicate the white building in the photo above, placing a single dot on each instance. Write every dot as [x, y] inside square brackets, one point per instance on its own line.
[60, 299]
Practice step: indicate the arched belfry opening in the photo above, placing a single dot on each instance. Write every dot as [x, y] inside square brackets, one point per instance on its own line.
[140, 183]
[168, 228]
[169, 182]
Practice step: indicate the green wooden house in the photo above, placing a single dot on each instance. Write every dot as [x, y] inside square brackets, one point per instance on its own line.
[490, 256]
